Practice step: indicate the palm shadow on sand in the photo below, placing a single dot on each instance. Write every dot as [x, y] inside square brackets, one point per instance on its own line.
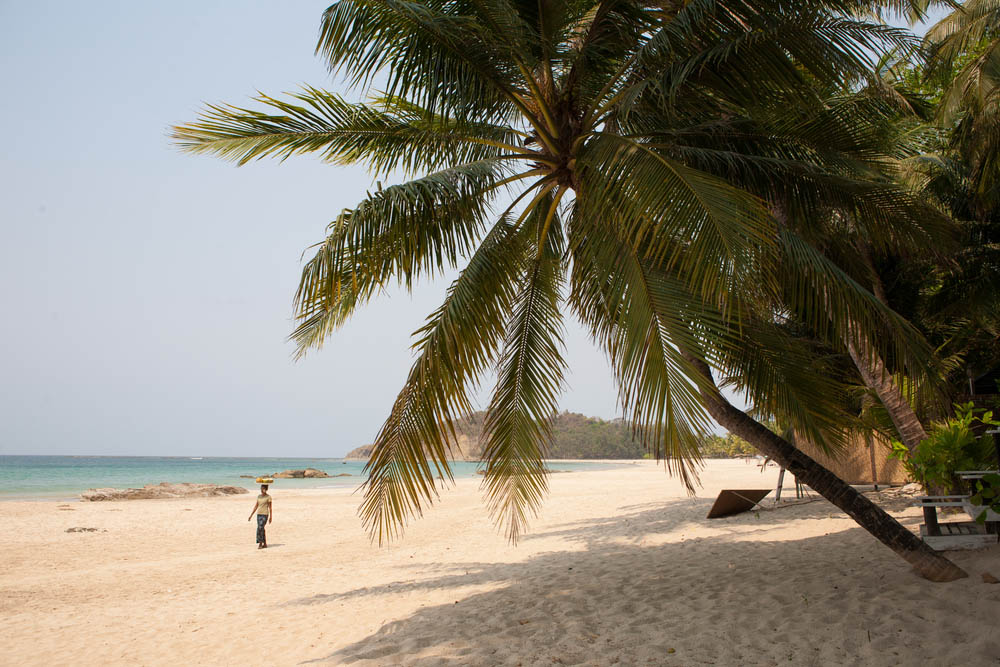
[638, 588]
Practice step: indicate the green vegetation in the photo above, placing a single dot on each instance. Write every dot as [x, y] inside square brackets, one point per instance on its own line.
[726, 447]
[951, 445]
[987, 495]
[576, 436]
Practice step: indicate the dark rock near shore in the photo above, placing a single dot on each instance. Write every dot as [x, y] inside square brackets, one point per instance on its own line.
[300, 474]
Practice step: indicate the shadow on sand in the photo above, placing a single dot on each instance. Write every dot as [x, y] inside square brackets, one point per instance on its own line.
[765, 588]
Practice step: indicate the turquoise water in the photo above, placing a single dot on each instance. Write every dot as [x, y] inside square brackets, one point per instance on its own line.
[61, 477]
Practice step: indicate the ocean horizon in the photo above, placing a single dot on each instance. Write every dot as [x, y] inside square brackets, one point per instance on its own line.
[65, 477]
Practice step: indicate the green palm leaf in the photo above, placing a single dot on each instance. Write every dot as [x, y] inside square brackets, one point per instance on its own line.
[718, 235]
[385, 136]
[453, 64]
[636, 318]
[835, 306]
[517, 426]
[455, 346]
[402, 232]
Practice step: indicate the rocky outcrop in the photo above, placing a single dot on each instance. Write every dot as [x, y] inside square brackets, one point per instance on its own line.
[465, 448]
[299, 474]
[162, 490]
[362, 453]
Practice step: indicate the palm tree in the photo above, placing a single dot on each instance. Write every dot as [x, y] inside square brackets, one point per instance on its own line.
[949, 289]
[558, 144]
[828, 171]
[964, 58]
[954, 300]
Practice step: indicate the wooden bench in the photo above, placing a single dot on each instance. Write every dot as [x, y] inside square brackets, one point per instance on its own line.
[951, 535]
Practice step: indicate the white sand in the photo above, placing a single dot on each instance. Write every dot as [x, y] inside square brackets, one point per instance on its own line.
[621, 568]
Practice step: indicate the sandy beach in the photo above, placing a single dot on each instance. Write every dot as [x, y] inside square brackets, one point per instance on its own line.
[620, 568]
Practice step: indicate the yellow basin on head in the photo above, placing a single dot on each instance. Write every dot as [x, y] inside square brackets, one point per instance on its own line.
[265, 480]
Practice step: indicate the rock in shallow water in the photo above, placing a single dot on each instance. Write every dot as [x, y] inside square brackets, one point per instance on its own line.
[299, 474]
[162, 490]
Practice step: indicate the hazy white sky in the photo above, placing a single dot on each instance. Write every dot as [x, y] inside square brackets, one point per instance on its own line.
[146, 294]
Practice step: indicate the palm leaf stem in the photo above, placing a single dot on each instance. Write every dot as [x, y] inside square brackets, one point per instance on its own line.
[543, 106]
[540, 129]
[524, 194]
[537, 198]
[597, 109]
[548, 219]
[518, 177]
[532, 157]
[516, 150]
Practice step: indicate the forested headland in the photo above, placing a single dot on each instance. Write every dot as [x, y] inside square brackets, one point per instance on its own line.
[577, 436]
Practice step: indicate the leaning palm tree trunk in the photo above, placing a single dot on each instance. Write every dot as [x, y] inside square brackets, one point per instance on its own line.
[869, 362]
[872, 369]
[867, 514]
[873, 372]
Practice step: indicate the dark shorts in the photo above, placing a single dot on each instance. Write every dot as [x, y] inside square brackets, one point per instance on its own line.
[261, 522]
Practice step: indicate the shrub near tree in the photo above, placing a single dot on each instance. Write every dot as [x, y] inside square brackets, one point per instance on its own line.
[951, 445]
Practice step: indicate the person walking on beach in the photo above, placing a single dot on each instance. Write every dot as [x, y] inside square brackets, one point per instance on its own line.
[265, 515]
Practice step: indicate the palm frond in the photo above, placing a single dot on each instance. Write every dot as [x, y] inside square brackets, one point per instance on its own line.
[754, 50]
[841, 312]
[717, 235]
[385, 136]
[455, 346]
[788, 376]
[402, 232]
[453, 65]
[517, 426]
[639, 318]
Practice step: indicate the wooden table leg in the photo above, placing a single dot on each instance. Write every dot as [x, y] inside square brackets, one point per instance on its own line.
[931, 521]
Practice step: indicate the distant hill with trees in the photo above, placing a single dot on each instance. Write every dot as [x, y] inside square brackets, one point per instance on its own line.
[576, 436]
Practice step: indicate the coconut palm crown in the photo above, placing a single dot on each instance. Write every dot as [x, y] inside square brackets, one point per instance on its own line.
[964, 52]
[646, 166]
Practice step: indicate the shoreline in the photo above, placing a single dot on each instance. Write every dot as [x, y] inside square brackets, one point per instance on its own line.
[192, 471]
[351, 485]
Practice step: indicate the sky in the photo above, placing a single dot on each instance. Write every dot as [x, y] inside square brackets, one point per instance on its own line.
[146, 294]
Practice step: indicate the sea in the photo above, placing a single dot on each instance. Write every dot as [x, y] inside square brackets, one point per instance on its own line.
[65, 477]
